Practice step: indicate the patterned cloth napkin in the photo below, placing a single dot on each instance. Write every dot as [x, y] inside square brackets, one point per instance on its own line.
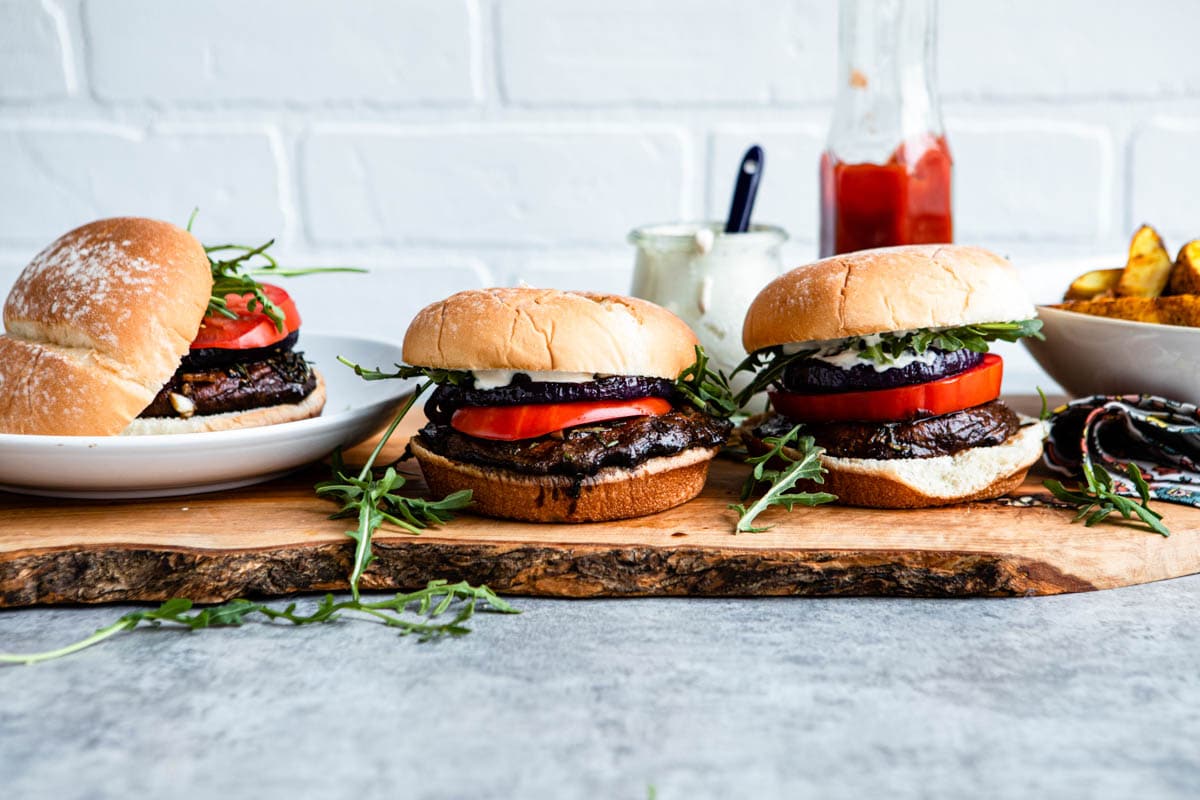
[1161, 436]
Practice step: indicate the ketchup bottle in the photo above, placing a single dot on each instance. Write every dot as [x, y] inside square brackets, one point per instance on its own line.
[886, 169]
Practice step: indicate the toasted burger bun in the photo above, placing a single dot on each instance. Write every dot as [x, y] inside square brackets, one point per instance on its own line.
[267, 415]
[889, 289]
[542, 330]
[978, 473]
[97, 323]
[612, 493]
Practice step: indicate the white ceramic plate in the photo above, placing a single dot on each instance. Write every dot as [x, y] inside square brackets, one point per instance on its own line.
[118, 467]
[1096, 355]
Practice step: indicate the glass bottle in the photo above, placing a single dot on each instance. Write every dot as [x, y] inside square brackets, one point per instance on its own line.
[886, 169]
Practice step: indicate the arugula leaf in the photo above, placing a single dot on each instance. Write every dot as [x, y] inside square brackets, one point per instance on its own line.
[706, 389]
[807, 467]
[373, 500]
[404, 371]
[767, 367]
[1044, 414]
[1097, 500]
[426, 604]
[886, 347]
[238, 276]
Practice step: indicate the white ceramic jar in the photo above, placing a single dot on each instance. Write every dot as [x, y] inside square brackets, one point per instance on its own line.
[707, 277]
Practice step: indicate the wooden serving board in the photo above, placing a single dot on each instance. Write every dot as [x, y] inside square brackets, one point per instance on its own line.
[275, 539]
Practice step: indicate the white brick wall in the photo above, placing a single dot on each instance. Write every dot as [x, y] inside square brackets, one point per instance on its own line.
[454, 143]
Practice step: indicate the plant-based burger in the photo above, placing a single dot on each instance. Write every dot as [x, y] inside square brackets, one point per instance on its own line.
[881, 357]
[562, 406]
[128, 326]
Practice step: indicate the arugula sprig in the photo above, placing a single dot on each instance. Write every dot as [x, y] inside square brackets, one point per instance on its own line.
[766, 367]
[374, 501]
[1097, 500]
[965, 337]
[706, 389]
[426, 605]
[807, 467]
[404, 371]
[238, 274]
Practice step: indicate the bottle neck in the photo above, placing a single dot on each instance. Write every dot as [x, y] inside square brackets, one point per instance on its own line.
[887, 79]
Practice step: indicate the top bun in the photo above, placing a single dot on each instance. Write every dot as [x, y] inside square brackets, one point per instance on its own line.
[542, 330]
[97, 323]
[884, 290]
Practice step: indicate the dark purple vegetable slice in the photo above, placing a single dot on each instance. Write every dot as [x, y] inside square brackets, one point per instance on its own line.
[212, 357]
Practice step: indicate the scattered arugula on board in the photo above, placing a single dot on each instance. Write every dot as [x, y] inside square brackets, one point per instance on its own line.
[768, 364]
[1098, 500]
[239, 275]
[806, 467]
[373, 500]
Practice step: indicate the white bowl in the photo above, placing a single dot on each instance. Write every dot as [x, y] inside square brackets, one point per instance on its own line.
[1097, 355]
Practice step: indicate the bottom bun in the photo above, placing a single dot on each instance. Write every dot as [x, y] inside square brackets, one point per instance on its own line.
[253, 418]
[978, 473]
[612, 493]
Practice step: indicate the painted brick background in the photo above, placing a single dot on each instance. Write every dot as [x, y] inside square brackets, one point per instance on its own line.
[454, 143]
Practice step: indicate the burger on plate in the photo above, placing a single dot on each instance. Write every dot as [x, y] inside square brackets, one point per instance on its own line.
[560, 406]
[114, 329]
[882, 357]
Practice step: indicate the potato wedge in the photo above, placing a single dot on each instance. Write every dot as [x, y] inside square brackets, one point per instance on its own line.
[1185, 275]
[1094, 283]
[1183, 309]
[1148, 268]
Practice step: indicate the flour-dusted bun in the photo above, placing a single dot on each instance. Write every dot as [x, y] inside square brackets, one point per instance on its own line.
[612, 493]
[97, 323]
[977, 473]
[542, 330]
[889, 289]
[310, 406]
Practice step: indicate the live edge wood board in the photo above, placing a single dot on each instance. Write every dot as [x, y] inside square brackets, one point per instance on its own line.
[276, 539]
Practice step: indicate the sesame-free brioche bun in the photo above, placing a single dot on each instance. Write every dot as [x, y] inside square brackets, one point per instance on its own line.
[612, 493]
[543, 330]
[97, 323]
[884, 290]
[977, 473]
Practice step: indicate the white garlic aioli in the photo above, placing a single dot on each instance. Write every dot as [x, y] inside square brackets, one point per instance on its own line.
[839, 353]
[496, 378]
[708, 278]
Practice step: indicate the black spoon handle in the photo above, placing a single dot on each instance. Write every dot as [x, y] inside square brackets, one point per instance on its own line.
[749, 174]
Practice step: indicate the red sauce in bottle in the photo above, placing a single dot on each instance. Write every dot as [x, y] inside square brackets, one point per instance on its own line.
[905, 201]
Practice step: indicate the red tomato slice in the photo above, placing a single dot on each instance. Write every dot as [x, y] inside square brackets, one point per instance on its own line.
[510, 423]
[974, 387]
[252, 328]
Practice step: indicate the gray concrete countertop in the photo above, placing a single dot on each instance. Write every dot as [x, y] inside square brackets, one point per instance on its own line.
[1091, 695]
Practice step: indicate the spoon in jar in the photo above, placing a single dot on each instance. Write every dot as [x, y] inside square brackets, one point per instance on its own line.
[745, 190]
